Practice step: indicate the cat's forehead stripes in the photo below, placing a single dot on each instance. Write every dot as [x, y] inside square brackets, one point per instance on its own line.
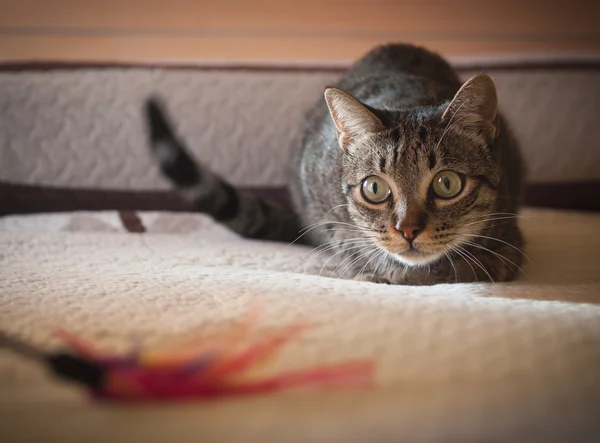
[432, 159]
[382, 163]
[410, 143]
[395, 137]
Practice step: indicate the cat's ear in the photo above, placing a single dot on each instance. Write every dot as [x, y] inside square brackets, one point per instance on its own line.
[475, 106]
[352, 119]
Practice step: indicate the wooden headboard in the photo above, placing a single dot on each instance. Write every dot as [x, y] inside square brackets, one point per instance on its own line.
[279, 30]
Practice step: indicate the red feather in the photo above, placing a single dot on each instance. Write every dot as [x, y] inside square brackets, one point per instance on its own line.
[215, 368]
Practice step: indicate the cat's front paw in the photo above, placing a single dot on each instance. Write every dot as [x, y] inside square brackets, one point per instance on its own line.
[372, 278]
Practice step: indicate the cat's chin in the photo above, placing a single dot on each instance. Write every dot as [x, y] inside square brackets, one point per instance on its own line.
[417, 258]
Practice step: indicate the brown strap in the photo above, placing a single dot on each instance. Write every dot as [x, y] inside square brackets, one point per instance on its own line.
[132, 222]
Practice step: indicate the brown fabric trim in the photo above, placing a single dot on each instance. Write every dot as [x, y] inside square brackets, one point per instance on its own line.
[26, 199]
[131, 222]
[582, 196]
[493, 65]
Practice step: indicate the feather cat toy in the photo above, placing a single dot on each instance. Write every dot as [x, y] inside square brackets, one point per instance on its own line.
[216, 367]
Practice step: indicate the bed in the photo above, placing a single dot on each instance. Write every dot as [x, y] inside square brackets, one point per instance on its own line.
[91, 240]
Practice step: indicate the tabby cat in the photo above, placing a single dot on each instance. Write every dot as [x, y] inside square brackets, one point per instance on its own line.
[407, 175]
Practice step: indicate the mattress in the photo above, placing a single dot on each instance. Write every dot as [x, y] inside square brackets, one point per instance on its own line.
[454, 363]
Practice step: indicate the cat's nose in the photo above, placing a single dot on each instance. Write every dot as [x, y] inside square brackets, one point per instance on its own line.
[409, 232]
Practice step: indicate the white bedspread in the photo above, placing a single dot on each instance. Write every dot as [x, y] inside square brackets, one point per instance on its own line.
[515, 362]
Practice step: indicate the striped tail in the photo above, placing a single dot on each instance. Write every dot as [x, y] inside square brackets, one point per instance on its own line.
[242, 212]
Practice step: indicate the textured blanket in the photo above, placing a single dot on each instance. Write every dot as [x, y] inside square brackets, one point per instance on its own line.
[455, 363]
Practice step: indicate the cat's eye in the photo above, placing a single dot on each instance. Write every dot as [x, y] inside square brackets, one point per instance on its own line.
[375, 190]
[447, 184]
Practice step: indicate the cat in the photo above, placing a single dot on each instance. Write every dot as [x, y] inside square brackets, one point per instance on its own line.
[407, 175]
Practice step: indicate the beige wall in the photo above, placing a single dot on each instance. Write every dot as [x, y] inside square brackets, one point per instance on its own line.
[306, 30]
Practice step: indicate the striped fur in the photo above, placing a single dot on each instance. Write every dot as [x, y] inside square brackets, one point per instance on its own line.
[402, 116]
[243, 213]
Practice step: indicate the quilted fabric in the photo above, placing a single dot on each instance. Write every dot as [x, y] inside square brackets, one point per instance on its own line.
[84, 127]
[456, 363]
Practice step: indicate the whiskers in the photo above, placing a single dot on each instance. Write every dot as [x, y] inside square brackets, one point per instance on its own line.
[469, 257]
[356, 249]
[500, 256]
[361, 241]
[380, 258]
[494, 216]
[327, 223]
[448, 256]
[344, 245]
[486, 237]
[363, 250]
[353, 260]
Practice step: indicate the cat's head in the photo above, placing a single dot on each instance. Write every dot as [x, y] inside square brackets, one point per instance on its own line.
[420, 182]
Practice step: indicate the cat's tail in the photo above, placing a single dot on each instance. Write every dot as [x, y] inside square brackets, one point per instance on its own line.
[242, 212]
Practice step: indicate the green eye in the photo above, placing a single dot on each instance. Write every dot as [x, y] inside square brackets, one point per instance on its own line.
[447, 184]
[375, 190]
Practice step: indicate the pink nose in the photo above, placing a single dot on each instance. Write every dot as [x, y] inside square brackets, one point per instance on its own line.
[409, 232]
